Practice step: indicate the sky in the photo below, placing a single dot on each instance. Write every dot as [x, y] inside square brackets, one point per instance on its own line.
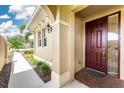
[11, 17]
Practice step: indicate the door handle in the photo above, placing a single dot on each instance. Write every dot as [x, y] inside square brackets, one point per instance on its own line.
[103, 51]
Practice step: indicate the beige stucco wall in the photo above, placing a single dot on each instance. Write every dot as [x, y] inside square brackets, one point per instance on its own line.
[66, 44]
[64, 48]
[79, 44]
[64, 38]
[56, 45]
[46, 51]
[3, 54]
[98, 15]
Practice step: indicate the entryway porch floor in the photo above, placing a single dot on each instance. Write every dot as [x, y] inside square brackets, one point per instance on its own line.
[98, 82]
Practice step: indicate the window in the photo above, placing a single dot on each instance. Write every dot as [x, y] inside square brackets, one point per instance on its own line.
[39, 38]
[113, 44]
[44, 39]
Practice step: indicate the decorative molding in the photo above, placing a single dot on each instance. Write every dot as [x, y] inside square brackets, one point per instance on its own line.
[34, 21]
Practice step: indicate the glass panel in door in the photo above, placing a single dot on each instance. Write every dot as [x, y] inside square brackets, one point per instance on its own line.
[113, 44]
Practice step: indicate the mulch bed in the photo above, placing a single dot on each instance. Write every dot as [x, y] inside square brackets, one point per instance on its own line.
[44, 77]
[4, 75]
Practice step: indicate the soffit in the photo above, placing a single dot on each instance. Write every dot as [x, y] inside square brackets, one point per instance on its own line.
[93, 9]
[40, 19]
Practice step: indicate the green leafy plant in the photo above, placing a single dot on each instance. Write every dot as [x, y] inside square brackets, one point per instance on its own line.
[29, 56]
[34, 61]
[27, 35]
[45, 68]
[42, 66]
[39, 64]
[22, 27]
[16, 42]
[31, 51]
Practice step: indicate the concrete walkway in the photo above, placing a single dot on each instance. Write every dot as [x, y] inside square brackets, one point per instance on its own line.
[23, 75]
[72, 84]
[75, 84]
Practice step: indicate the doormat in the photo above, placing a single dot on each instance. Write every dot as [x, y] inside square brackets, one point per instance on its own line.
[95, 73]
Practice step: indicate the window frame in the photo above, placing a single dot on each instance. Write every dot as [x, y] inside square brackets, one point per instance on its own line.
[44, 38]
[39, 38]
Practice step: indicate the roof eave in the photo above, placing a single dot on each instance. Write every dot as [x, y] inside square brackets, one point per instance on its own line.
[33, 17]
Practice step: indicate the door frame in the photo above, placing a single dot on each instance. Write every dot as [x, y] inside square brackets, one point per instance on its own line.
[119, 21]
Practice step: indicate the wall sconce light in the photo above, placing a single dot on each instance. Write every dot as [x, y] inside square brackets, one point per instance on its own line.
[49, 28]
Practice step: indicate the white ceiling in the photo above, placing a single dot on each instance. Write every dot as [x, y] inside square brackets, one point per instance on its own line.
[92, 9]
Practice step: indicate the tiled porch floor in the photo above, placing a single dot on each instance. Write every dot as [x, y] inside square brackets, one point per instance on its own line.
[98, 82]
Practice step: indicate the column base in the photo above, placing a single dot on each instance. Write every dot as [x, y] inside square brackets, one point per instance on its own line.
[60, 80]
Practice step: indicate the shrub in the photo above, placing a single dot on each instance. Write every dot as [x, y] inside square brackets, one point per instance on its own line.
[34, 61]
[29, 56]
[31, 51]
[39, 64]
[45, 68]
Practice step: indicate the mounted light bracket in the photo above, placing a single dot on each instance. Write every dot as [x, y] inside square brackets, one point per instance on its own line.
[49, 28]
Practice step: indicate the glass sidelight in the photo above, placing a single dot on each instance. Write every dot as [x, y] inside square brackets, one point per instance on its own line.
[113, 48]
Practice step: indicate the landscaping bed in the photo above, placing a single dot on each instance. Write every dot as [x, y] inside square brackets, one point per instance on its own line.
[46, 77]
[40, 67]
[6, 71]
[5, 75]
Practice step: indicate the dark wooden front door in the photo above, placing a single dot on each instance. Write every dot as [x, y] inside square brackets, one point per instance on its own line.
[96, 44]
